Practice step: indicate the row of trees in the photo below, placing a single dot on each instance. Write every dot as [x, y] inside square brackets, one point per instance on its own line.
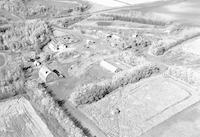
[95, 91]
[52, 109]
[100, 18]
[138, 17]
[66, 22]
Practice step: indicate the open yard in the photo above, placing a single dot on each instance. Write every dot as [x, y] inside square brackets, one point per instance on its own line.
[136, 108]
[19, 119]
[64, 87]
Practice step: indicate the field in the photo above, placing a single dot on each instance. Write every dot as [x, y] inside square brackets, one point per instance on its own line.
[136, 108]
[184, 124]
[192, 46]
[184, 11]
[186, 54]
[19, 119]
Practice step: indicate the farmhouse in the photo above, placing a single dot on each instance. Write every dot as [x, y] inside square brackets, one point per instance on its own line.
[58, 45]
[109, 66]
[47, 75]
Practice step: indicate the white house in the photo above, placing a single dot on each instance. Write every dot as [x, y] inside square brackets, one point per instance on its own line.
[56, 45]
[109, 66]
[46, 75]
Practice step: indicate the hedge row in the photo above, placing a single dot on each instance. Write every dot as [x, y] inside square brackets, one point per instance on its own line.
[64, 123]
[138, 19]
[93, 92]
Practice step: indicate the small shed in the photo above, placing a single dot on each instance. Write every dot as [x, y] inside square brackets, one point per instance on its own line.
[109, 66]
[47, 75]
[36, 63]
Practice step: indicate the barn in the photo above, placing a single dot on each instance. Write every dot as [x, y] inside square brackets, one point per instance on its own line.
[46, 75]
[109, 66]
[57, 45]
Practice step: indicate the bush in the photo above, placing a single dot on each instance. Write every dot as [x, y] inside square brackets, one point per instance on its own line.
[93, 92]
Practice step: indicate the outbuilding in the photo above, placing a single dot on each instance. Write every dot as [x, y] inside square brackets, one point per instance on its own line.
[46, 75]
[57, 46]
[36, 63]
[109, 66]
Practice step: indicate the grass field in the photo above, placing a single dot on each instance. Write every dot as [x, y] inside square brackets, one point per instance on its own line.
[192, 46]
[19, 119]
[136, 108]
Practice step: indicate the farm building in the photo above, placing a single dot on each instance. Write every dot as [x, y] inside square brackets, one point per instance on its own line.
[47, 75]
[58, 45]
[118, 63]
[109, 66]
[37, 63]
